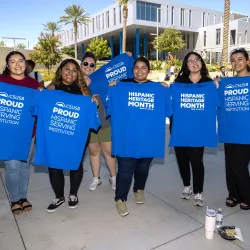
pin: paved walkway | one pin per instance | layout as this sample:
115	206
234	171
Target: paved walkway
164	222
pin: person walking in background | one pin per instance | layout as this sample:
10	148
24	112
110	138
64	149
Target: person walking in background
30	65
100	141
17	172
193	71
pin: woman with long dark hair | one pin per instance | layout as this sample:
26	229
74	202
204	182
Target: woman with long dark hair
237	156
17	172
193	71
68	78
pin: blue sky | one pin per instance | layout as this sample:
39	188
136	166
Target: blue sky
26	18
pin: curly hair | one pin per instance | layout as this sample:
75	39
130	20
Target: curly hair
79	81
184	72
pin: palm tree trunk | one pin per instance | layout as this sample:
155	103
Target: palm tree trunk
75	38
124	31
226	32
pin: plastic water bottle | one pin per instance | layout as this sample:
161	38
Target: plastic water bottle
219	218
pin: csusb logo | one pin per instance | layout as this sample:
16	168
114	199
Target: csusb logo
115	70
62	109
9	100
237	89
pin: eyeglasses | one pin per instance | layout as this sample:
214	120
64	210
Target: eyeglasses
91	65
194	61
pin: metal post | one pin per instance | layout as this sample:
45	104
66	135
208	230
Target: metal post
157	32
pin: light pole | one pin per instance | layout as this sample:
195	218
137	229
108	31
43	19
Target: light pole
14	40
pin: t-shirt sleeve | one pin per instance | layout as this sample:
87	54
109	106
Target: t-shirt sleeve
39	76
168	103
108	104
94	117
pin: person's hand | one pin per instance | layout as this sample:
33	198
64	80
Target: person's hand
87	80
112	84
128	53
164	84
94	99
216	81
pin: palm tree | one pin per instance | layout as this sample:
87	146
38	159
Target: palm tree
21	46
226	31
52	27
125	17
75	15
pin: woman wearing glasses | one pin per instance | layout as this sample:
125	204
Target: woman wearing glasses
237	156
100	141
193	71
17	172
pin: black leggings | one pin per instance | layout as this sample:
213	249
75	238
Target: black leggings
237	158
194	156
56	177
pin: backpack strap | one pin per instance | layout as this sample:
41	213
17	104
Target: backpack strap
36	75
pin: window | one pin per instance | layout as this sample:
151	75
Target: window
218	34
190	18
93	23
188	37
78	32
71	34
99	23
194	40
172	15
221	19
214	19
107	19
68	35
103	21
85	30
120	13
182	17
205	38
147	11
114	17
245	36
232	37
207	19
203	19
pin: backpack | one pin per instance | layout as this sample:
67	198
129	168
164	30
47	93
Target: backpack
36	75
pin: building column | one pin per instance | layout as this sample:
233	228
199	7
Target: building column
111	42
145	45
137	43
120	42
83	51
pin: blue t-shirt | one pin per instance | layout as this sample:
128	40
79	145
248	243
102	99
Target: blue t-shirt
194	114
234	114
16	122
138	118
63	127
117	69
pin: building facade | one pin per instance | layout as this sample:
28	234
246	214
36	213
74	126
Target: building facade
202	29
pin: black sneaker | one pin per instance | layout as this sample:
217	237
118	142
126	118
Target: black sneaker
73	201
56	203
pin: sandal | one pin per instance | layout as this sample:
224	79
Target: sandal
16	208
26	207
244	206
231	202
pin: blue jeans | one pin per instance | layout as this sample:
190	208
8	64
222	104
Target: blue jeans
17	176
127	167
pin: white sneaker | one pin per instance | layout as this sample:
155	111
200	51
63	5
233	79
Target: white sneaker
187	191
198	199
112	181
95	183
